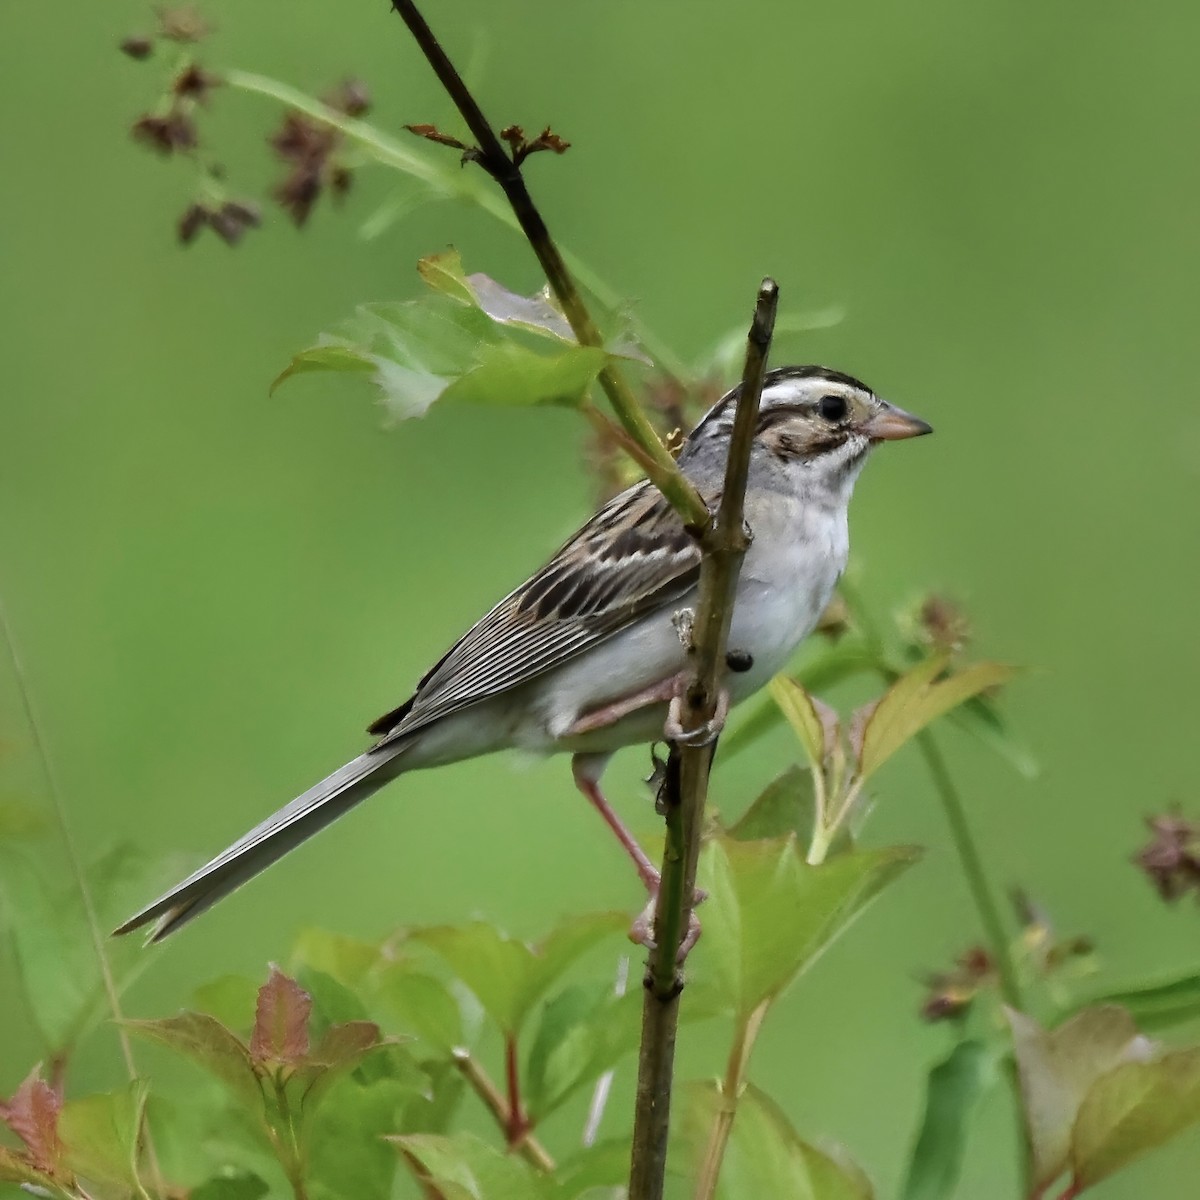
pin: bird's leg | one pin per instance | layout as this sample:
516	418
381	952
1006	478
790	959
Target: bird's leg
661	692
586	769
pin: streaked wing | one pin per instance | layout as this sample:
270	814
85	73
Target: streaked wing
631	557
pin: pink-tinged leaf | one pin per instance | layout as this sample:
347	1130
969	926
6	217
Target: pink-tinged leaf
32	1114
208	1043
280	1021
344	1045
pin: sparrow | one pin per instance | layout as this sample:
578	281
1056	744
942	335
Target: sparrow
585	657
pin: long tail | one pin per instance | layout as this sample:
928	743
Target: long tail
265	843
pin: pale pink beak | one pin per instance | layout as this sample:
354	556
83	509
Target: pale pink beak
891	424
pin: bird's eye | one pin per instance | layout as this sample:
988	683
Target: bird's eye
832	408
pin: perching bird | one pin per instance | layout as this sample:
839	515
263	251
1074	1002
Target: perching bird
585	656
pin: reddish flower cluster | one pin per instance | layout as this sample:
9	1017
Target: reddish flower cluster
1172	859
310	149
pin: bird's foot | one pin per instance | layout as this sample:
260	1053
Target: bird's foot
704	734
641	932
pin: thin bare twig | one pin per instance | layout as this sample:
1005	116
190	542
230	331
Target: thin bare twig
686	788
494	158
528	1147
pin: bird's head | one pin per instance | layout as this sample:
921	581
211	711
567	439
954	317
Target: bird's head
813	417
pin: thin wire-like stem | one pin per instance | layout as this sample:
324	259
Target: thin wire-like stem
58	806
494	158
685	790
965	847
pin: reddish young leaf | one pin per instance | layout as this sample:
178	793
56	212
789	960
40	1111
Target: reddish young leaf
32	1114
280	1020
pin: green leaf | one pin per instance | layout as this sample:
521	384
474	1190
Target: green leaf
765	1156
1131	1110
101	1135
954	1087
814	723
1058	1068
595	1168
231	1184
444	273
18	820
348	960
424	1006
784	807
52	945
347	1152
582	1032
981	718
462	1161
511	376
508	976
207	1042
914	701
770	914
434	1109
1159	1005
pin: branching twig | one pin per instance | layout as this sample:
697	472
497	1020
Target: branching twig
685	790
528	1147
494	158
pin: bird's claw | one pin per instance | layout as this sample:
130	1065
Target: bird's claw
704	734
641	932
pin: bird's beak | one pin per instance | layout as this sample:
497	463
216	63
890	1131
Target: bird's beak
890	424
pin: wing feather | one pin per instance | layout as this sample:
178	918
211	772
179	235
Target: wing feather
631	557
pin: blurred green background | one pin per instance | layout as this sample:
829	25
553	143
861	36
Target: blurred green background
215	590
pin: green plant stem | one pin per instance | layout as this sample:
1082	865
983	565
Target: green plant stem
972	866
969	858
731	1091
685	789
498	163
59	808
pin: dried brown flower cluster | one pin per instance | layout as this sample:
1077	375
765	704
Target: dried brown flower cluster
1171	861
311	151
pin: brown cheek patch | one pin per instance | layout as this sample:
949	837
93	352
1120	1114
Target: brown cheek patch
791	445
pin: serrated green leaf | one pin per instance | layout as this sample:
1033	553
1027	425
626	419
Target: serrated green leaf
954	1087
1133	1109
101	1135
207	1042
784	807
915	700
508	976
509	375
581	1033
52	945
770	914
1057	1068
347	1151
1159	1005
424	1006
765	1156
444	273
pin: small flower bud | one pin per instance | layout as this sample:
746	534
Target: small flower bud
137	46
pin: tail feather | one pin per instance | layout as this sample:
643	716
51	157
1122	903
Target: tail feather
267	842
